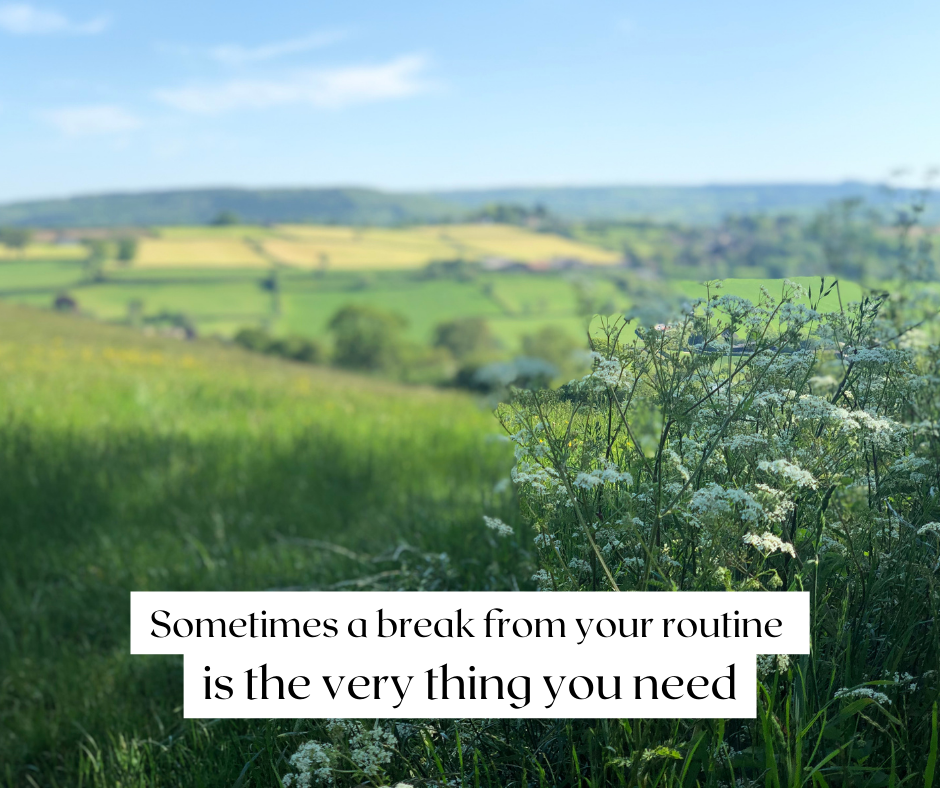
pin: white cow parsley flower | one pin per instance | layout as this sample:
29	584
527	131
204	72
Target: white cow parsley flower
768	543
609	473
862	692
789	471
498	525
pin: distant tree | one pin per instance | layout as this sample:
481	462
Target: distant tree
135	312
367	338
65	303
272	283
226	219
17	238
126	249
464	337
96	258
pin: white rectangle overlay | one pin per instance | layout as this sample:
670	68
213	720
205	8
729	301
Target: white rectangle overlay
322	654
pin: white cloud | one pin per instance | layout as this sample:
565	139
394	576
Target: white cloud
92	120
322	88
25	20
234	54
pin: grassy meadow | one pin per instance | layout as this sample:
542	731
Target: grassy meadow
144	463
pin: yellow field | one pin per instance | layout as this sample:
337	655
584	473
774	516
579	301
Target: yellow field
515	243
203	233
335	248
44	252
349	248
228	253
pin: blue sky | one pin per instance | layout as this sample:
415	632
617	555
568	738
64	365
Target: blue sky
105	95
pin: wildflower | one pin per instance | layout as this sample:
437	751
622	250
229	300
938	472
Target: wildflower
579	565
789	471
862	692
905	681
929	528
542	580
315	762
875	355
607	372
498	525
608	473
768	664
545	540
713	501
768	543
797	314
312	762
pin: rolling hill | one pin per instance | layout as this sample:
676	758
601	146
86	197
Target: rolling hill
201	206
684	204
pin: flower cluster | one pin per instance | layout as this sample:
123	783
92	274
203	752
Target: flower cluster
862	692
497	525
789	471
769	543
351	742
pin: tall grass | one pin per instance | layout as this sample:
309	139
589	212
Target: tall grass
128	463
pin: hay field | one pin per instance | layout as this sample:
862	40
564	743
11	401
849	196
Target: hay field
228	253
44	251
340	248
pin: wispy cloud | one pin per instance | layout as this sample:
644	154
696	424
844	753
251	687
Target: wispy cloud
94	119
323	88
235	54
23	19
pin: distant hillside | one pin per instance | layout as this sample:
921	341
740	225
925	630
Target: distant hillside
684	204
201	206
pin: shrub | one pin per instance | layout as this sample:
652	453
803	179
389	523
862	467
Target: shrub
292	347
225	219
256	339
15	237
554	345
126	249
367	338
464	336
65	303
298	349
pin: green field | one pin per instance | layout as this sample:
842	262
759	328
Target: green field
751	289
220	301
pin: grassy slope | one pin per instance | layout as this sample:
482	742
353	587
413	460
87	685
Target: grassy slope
132	463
